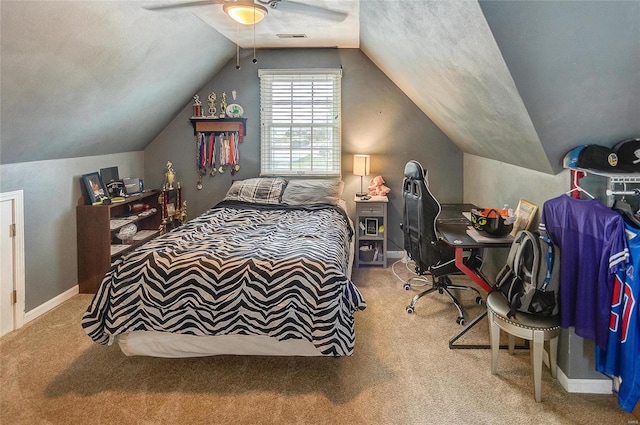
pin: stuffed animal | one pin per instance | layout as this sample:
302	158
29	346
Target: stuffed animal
377	187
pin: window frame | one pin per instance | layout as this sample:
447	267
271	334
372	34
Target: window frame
295	106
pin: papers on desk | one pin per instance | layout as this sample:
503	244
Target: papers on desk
467	215
484	238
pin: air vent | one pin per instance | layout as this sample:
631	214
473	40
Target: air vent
292	35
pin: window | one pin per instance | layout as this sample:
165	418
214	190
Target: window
300	121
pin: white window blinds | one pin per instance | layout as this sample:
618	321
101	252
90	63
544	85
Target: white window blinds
300	121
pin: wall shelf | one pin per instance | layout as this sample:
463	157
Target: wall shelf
210	125
614	179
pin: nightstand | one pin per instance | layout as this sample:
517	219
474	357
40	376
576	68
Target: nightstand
371	231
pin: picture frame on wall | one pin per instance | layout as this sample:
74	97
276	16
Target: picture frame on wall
525	214
94	190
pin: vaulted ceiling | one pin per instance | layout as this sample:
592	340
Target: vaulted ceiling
520	82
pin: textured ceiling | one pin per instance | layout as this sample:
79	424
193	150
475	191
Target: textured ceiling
453	70
520	82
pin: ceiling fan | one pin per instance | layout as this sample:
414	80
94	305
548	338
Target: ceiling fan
249	12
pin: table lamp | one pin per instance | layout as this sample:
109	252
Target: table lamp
361	167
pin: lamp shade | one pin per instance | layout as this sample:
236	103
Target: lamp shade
245	12
361	165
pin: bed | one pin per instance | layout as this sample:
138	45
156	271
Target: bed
264	272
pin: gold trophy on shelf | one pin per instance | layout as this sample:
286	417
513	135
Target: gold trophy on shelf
212	105
172	207
169	176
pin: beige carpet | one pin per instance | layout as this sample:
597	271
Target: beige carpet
402	372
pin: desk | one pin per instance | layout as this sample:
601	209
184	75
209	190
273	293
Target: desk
451	226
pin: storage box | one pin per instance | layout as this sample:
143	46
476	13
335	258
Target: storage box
366	254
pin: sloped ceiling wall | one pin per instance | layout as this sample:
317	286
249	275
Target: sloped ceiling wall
576	65
520	82
90	78
444	57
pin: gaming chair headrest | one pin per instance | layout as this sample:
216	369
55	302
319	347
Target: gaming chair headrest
413	170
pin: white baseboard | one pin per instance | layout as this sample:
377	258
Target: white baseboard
585	386
395	254
51	304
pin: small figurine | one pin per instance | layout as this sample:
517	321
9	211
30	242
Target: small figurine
212	104
377	187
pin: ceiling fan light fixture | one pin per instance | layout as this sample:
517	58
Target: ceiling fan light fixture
245	13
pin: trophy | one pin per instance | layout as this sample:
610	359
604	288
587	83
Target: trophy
169	176
212	104
223	105
197	107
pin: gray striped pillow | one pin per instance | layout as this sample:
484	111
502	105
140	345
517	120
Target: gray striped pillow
260	190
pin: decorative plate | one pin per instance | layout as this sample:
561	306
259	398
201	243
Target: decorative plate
126	232
234	110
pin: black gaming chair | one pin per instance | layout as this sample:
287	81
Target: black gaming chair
422	244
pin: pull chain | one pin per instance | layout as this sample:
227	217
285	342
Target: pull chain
237	46
254	36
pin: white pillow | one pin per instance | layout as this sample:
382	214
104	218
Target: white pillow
312	191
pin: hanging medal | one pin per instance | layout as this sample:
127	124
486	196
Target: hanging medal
224	152
212	154
201	159
236	153
232	153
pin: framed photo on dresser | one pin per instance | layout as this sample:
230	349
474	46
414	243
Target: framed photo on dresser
94	190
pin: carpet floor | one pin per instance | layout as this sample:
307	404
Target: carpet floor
402	372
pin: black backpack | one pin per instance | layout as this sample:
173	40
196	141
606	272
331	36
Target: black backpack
531	277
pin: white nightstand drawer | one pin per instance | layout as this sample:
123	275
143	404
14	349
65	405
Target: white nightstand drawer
370	209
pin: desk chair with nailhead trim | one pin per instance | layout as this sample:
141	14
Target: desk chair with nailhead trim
537	329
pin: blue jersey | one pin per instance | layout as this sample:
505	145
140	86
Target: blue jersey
622	354
593	247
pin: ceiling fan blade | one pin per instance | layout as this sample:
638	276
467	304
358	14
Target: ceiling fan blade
183	4
306	9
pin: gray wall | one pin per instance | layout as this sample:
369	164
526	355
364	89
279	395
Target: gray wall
51	193
378	119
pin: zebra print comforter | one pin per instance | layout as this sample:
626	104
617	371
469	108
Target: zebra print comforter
238	269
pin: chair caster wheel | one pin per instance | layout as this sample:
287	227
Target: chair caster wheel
407	286
479	300
460	321
409	309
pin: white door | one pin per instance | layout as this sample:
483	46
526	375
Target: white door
7	267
